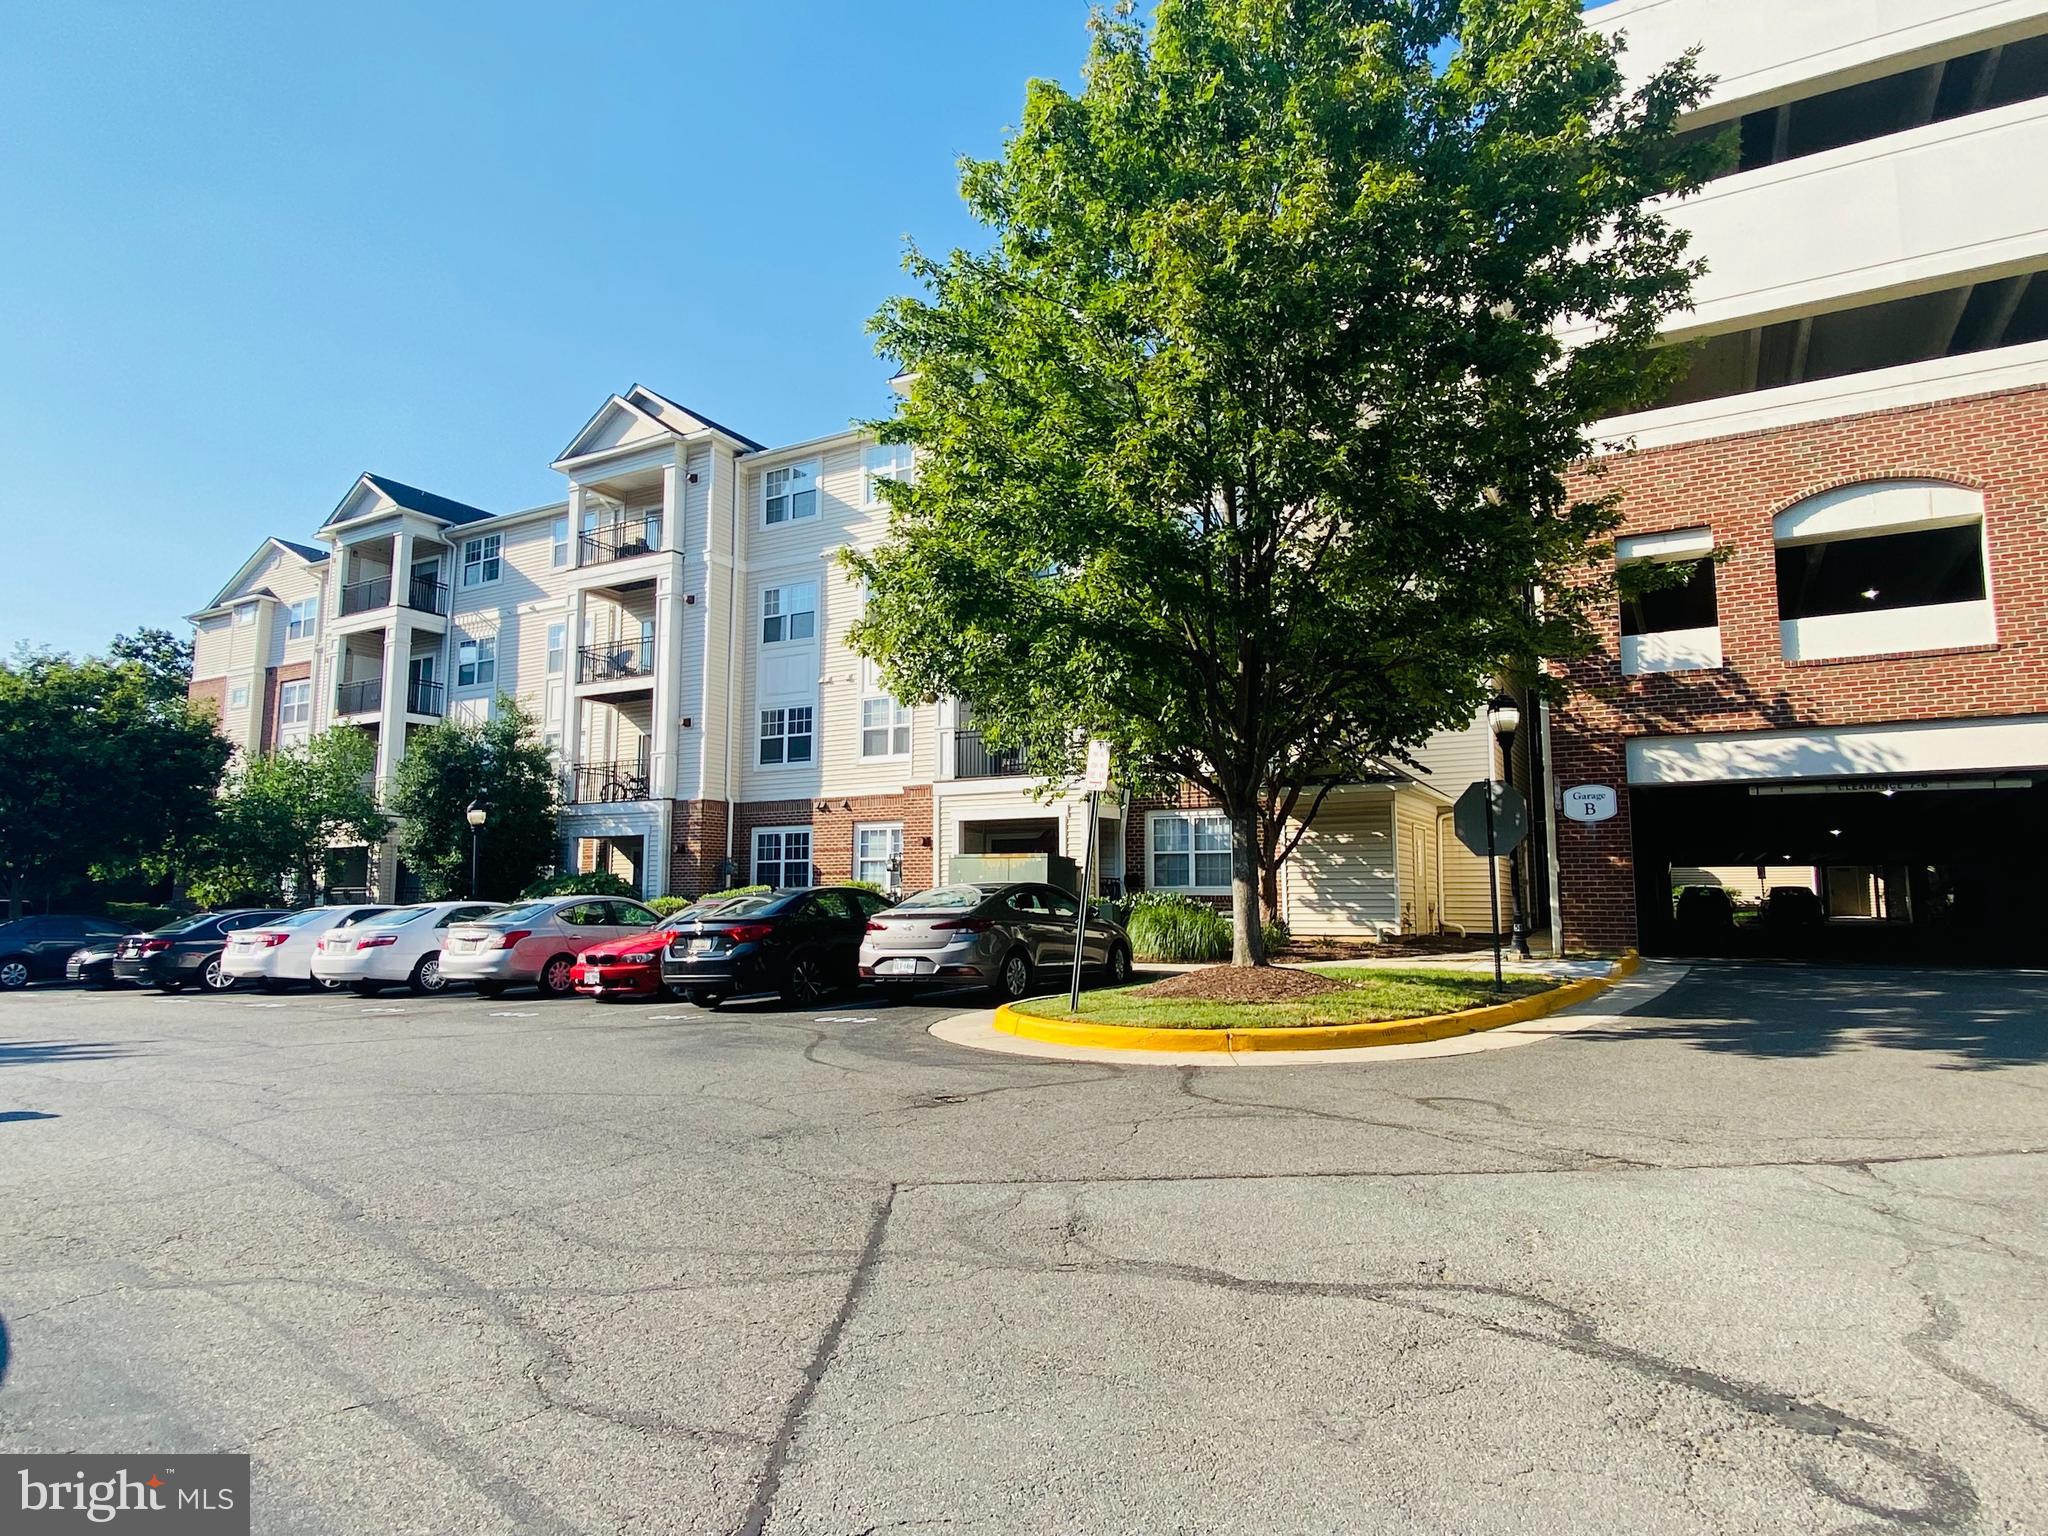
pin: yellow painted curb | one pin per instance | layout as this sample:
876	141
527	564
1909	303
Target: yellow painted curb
1317	1037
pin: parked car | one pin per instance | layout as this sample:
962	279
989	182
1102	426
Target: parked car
1006	936
536	943
94	964
398	948
804	945
40	948
280	953
1705	915
187	951
631	966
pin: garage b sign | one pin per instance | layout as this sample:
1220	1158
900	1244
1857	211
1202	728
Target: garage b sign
1590	802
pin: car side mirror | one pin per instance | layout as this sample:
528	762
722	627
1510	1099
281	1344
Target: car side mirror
1101	912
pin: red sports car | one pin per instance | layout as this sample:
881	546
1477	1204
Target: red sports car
630	965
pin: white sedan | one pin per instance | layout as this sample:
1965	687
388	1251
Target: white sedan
281	951
401	947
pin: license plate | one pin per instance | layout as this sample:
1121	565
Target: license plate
702	946
896	968
590	975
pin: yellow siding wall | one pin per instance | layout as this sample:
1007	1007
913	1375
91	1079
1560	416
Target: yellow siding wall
1343	880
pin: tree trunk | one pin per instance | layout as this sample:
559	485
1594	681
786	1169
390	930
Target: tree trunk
1248	944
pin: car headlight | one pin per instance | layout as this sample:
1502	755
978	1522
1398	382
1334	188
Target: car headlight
637	959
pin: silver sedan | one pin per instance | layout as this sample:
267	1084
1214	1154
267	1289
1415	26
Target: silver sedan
1009	937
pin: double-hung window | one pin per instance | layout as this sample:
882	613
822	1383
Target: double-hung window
238	696
878	854
883	461
246	614
558	541
884	728
477	662
790	493
301	617
1190	851
789	612
782	857
480	560
295	704
558	645
786	735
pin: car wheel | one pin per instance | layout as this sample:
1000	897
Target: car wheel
1013	981
328	983
806	983
213	978
704	997
366	988
170	987
1119	965
426	976
490	989
558	977
13	974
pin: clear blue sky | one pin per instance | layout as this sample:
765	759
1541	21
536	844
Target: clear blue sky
249	250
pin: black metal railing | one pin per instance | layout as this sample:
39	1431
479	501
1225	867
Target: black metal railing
618	541
622	662
973	759
423	697
427	594
362	596
607	783
359	698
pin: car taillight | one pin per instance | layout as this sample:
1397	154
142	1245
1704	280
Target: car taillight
270	940
510	937
747	933
377	941
964	925
878	927
155	946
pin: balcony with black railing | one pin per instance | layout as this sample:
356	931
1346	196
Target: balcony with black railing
975	759
366	596
624	661
425	697
427	594
608	783
363	697
619	541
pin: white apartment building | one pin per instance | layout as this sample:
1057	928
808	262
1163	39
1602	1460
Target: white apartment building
678	623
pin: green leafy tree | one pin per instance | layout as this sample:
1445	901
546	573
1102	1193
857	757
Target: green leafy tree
165	660
451	764
1244	444
103	766
282	812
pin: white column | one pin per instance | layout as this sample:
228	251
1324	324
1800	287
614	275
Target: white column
391	723
672	505
401	565
572	706
668	683
575	525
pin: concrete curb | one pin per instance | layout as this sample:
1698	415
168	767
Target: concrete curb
1322	1037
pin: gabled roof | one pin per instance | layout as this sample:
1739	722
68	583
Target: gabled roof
408	498
233	588
638	414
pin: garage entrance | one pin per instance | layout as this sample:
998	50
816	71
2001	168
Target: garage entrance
1934	867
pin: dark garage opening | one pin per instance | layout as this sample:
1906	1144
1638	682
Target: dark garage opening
1926	869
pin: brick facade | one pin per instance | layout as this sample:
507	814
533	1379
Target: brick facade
696	846
1997	445
1137	868
275	678
210	691
832	832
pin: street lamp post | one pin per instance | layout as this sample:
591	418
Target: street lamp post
478	813
1504	715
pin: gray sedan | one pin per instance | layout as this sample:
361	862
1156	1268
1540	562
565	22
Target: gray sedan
1009	937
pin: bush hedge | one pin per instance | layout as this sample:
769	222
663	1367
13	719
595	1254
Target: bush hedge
1277	934
738	890
595	882
1165	925
140	915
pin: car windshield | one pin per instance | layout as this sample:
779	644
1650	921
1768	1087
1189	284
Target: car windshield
943	898
397	918
532	912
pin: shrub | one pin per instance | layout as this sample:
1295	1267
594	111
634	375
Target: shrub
596	882
868	885
668	906
1277	934
738	890
140	915
1165	925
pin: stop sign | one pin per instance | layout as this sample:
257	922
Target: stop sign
1510	817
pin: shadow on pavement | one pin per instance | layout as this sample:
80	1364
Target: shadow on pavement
1988	1019
33	1053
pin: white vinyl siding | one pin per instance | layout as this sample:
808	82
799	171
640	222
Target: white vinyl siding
1343	880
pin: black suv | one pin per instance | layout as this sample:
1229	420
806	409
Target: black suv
187	951
37	948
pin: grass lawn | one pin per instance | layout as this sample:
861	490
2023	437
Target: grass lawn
1369	994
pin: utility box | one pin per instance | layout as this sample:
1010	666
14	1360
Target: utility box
1005	868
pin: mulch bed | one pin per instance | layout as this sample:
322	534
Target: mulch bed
1243	984
1423	944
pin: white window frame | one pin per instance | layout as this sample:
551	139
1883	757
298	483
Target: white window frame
302	618
560	545
294	703
489	562
894	729
884	461
779	613
245	614
558	649
481	669
782	858
1190	852
892	851
782	718
789	493
238	696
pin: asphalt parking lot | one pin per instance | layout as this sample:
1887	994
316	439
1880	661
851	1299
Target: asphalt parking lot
1765	1254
